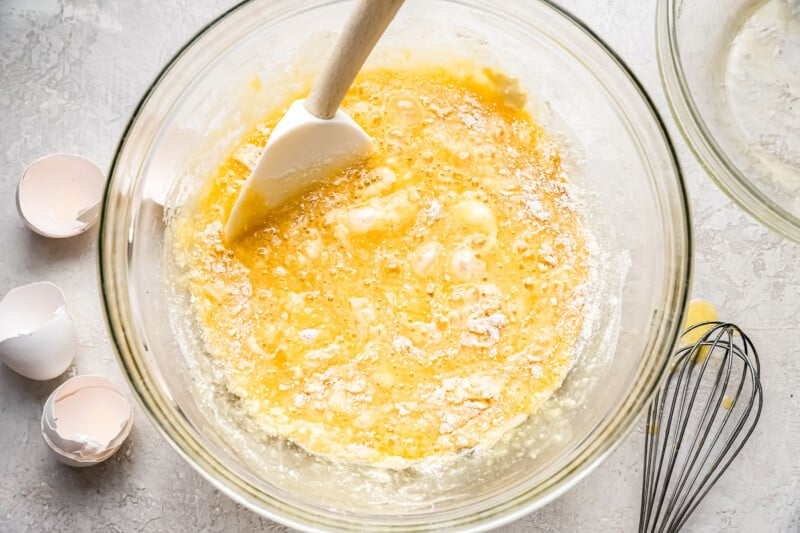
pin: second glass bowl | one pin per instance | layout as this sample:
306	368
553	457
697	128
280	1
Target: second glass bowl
731	73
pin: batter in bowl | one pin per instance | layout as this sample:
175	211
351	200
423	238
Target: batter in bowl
414	306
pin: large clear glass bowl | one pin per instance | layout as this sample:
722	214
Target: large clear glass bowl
731	73
617	150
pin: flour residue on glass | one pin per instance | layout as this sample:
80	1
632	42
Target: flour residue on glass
762	84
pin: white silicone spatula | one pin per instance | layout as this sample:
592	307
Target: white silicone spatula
315	138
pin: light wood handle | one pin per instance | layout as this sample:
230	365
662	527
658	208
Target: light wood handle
365	26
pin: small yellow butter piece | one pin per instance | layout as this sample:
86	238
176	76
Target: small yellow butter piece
727	402
699	311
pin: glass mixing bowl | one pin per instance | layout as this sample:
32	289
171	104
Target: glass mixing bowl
616	149
731	73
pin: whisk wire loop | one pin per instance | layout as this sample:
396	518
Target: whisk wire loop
715	397
698	423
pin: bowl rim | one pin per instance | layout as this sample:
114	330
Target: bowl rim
695	131
516	507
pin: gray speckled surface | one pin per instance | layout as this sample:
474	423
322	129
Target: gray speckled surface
70	74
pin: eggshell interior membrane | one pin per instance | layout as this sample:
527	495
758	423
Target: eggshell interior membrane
90	409
26	309
58	195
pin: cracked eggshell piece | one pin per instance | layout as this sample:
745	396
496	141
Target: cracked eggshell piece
37	335
86	420
59	195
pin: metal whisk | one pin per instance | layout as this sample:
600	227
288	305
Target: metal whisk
698	423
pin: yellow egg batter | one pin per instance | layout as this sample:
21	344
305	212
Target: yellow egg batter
418	304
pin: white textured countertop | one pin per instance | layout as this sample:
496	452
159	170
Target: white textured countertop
71	72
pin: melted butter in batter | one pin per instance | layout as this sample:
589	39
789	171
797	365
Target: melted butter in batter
413	306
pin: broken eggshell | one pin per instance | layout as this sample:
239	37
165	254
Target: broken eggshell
86	420
59	195
37	335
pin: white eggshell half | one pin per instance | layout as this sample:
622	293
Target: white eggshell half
59	195
86	420
37	335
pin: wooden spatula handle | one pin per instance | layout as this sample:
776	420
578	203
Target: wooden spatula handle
366	24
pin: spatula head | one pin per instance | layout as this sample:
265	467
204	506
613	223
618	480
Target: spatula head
302	150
